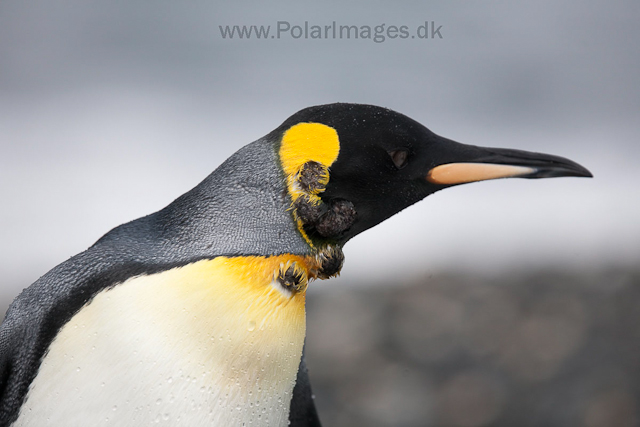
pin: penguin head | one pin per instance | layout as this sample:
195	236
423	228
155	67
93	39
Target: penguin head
356	165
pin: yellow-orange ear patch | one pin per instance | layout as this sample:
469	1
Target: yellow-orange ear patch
306	142
308	150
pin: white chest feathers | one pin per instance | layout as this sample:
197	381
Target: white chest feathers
215	343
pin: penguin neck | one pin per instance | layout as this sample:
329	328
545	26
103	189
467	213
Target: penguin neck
216	342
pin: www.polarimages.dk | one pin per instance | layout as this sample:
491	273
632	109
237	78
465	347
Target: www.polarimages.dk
378	33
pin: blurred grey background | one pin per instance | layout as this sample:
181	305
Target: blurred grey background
110	110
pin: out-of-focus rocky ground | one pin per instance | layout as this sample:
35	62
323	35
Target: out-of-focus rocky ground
544	349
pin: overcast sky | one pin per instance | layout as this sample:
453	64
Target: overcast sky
109	110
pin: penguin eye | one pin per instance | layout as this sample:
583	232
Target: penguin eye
399	157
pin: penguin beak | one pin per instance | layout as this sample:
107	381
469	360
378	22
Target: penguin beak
467	163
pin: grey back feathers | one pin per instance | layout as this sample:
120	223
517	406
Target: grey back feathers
240	209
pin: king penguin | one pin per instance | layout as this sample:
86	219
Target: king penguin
195	315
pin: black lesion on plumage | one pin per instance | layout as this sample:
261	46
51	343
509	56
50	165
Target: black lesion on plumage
293	278
309	212
326	220
331	260
337	219
312	177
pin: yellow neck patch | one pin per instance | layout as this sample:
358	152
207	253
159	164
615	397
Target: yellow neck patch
303	143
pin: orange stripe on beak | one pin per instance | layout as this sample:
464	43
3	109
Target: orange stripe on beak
460	173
